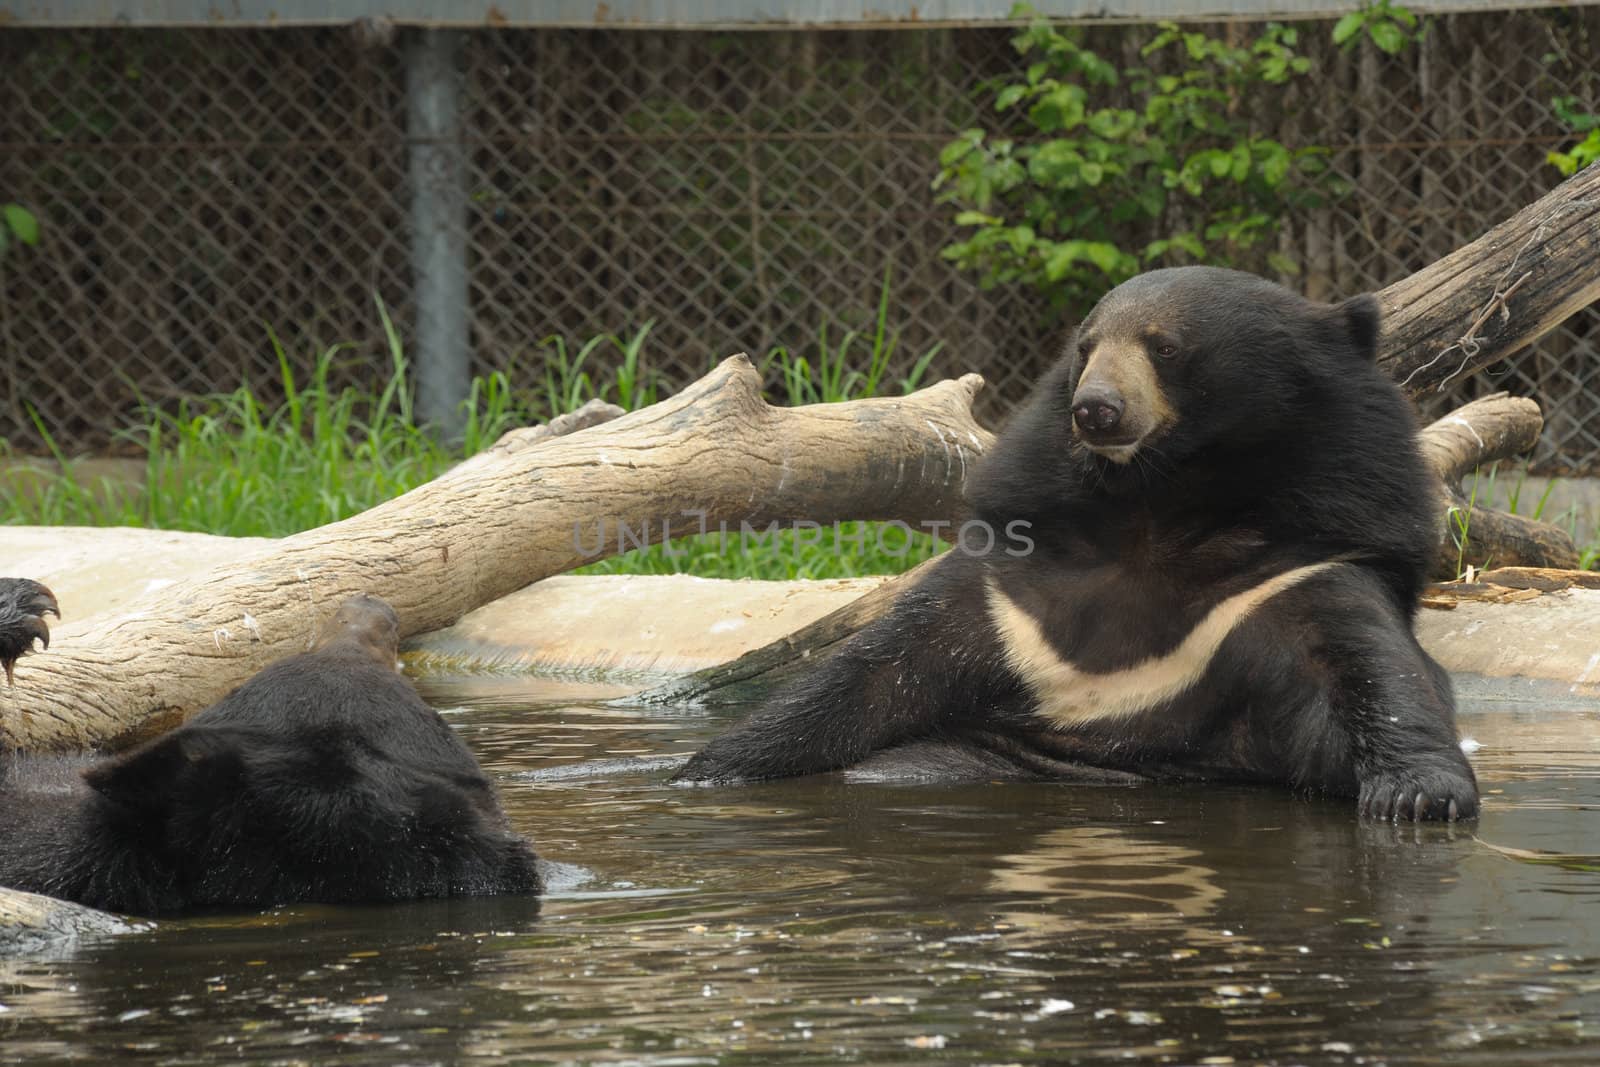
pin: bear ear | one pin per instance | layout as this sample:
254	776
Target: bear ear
147	777
1361	317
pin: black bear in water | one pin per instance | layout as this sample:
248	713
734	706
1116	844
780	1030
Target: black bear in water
323	778
1228	526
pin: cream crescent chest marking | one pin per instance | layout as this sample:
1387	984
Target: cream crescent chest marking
1070	697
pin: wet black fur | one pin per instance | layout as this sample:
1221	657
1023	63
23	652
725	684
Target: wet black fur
323	778
1290	448
23	605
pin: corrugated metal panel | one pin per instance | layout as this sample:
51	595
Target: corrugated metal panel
696	14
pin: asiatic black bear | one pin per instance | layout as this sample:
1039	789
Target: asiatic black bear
323	778
1230	523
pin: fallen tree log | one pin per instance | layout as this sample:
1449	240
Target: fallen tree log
521	511
1486	300
35	926
1492	428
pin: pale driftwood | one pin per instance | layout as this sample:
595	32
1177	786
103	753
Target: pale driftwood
1505	290
1483	431
518	512
1488	429
32	925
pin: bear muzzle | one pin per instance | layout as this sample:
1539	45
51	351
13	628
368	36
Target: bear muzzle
1097	411
1119	401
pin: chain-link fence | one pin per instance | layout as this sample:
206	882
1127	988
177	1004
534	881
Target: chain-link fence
197	188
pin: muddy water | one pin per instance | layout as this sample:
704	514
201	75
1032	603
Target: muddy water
817	922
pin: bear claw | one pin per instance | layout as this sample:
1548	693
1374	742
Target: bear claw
1445	797
23	605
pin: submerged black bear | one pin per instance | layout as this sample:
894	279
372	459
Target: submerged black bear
323	778
1230	525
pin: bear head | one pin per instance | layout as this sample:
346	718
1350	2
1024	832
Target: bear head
1175	361
1199	380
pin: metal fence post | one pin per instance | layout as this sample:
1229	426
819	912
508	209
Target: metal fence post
442	349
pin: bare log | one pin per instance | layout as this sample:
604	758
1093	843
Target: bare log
521	511
1489	429
1505	290
1497	539
31	925
1493	428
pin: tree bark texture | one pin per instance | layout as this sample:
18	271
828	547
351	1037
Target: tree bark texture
1503	291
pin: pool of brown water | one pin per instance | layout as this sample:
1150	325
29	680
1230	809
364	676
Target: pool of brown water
816	921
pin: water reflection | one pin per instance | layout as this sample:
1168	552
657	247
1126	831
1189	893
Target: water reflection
819	921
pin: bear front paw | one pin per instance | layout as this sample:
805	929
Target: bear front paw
23	605
1418	794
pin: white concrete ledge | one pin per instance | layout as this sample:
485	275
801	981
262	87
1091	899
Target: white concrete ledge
632	629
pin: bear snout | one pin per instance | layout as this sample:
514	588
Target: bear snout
1097	410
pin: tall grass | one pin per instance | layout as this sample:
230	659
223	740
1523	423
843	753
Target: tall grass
232	464
1587	538
229	464
839	374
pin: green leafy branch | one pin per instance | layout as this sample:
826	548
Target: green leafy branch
1585	151
1389	26
1103	172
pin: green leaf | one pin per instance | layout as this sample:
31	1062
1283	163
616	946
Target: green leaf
1387	36
1061	258
1346	28
976	218
1060	108
1056	163
1009	96
1108	257
1092	173
1274	162
1190	244
1112	123
1241	162
20	221
959	149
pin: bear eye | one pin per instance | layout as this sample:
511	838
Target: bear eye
1166	351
